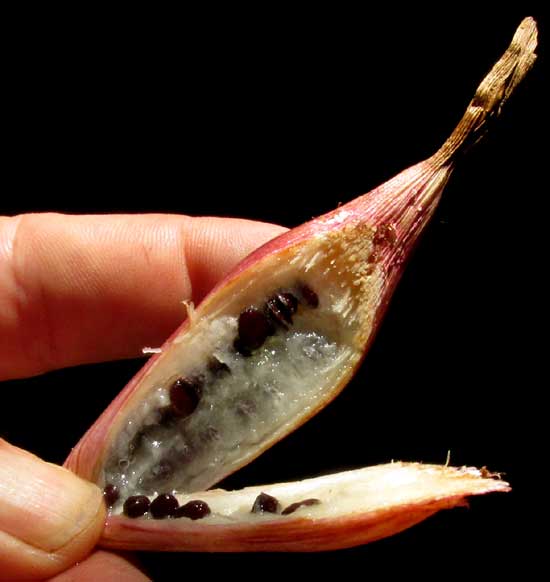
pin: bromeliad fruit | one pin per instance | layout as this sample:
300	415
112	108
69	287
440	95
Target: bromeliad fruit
269	347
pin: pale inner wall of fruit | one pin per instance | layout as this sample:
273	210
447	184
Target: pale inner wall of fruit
246	388
361	493
349	492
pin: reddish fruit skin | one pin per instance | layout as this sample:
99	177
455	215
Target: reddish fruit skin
123	533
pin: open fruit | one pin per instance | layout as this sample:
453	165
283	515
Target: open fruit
269	347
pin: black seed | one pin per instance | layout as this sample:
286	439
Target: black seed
275	314
185	394
281	307
196	509
216	367
164	505
241	348
294	506
162	470
289	301
136	506
254	327
111	494
309	295
265	503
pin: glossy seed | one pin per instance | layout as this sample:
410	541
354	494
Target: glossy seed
290	302
136	506
281	307
275	314
254	328
185	394
111	494
196	509
265	503
309	296
294	506
163	506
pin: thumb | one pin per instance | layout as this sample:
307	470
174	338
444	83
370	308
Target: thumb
49	517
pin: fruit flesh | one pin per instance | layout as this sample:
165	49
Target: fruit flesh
256	398
338	256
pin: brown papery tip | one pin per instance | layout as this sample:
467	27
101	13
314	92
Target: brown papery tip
493	92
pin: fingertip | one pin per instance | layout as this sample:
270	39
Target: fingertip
213	246
50	518
78	289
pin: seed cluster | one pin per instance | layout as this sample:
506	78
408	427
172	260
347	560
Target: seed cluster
255	325
164	506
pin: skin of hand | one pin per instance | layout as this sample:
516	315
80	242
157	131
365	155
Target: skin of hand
66	284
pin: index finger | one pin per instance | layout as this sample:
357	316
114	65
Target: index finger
76	289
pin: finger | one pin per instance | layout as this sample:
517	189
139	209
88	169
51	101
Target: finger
77	289
103	565
49	518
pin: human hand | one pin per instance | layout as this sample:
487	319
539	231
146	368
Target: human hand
76	289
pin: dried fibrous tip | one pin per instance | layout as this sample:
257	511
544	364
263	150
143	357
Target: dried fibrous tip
493	91
269	347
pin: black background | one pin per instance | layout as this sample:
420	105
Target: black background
279	117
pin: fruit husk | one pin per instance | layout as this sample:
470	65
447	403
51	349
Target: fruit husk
404	204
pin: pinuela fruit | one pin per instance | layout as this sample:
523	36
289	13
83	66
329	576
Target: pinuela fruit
269	347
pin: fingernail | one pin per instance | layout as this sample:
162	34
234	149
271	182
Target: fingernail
45	505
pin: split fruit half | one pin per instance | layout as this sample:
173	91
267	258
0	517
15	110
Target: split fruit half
269	347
